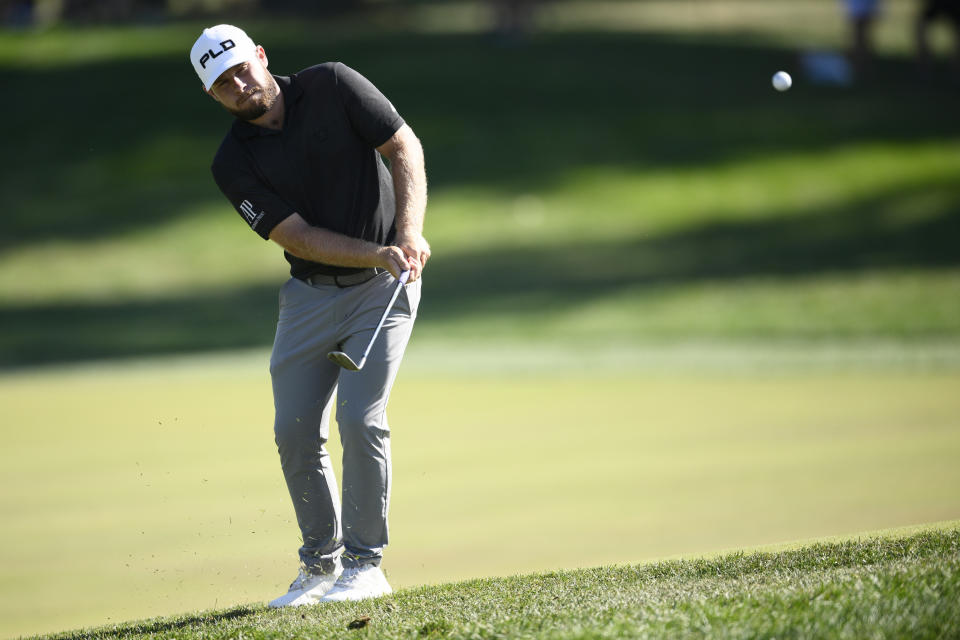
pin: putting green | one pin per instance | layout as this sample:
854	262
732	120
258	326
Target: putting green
153	488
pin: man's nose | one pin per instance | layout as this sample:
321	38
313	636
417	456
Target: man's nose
239	84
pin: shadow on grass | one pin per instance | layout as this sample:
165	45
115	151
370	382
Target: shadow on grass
148	628
514	118
510	118
870	234
206	321
873	233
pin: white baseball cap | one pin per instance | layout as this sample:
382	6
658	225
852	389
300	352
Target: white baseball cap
219	48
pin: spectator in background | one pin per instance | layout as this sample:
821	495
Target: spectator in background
861	14
930	11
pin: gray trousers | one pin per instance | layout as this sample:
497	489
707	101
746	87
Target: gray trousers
314	320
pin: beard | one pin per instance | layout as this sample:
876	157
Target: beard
258	102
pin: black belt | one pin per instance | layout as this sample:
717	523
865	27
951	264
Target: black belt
348	280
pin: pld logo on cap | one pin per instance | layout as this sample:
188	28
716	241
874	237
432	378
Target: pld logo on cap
225	45
219	48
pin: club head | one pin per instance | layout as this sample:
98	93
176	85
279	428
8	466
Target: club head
342	359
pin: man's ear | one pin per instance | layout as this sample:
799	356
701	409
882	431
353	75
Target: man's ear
262	56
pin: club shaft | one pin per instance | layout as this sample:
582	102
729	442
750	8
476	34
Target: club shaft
386	312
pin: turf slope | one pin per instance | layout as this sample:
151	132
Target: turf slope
875	586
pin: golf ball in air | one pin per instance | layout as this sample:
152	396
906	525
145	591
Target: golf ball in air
782	81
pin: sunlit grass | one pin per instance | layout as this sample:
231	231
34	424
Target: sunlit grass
878	584
207	246
618	201
911	306
154	488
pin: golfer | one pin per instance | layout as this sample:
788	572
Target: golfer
303	165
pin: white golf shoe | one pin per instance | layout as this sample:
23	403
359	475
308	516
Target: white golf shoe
359	583
308	588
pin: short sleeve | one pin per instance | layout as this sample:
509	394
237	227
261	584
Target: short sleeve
259	206
371	115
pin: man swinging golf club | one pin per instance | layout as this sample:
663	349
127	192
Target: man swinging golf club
303	166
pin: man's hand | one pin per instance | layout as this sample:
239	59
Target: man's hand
417	250
394	260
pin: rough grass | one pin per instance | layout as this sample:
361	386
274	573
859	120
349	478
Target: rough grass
864	588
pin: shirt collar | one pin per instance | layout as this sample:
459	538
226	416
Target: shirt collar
291	93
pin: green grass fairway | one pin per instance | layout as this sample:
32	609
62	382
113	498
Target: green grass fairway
888	586
154	488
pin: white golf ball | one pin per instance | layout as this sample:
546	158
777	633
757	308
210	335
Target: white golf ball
782	81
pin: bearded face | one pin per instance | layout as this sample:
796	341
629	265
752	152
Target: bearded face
246	90
254	103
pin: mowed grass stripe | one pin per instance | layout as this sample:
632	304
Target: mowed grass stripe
894	186
875	587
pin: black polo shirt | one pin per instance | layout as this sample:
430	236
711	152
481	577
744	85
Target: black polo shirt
323	164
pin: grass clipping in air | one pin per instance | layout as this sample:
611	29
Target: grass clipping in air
880	587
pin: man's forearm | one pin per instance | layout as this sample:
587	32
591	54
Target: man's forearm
329	247
317	244
410	185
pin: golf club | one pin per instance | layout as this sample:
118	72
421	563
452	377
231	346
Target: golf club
346	361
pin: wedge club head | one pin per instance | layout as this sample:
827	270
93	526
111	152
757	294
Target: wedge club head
342	359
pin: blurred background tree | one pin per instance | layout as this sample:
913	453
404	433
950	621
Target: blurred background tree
49	12
513	18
